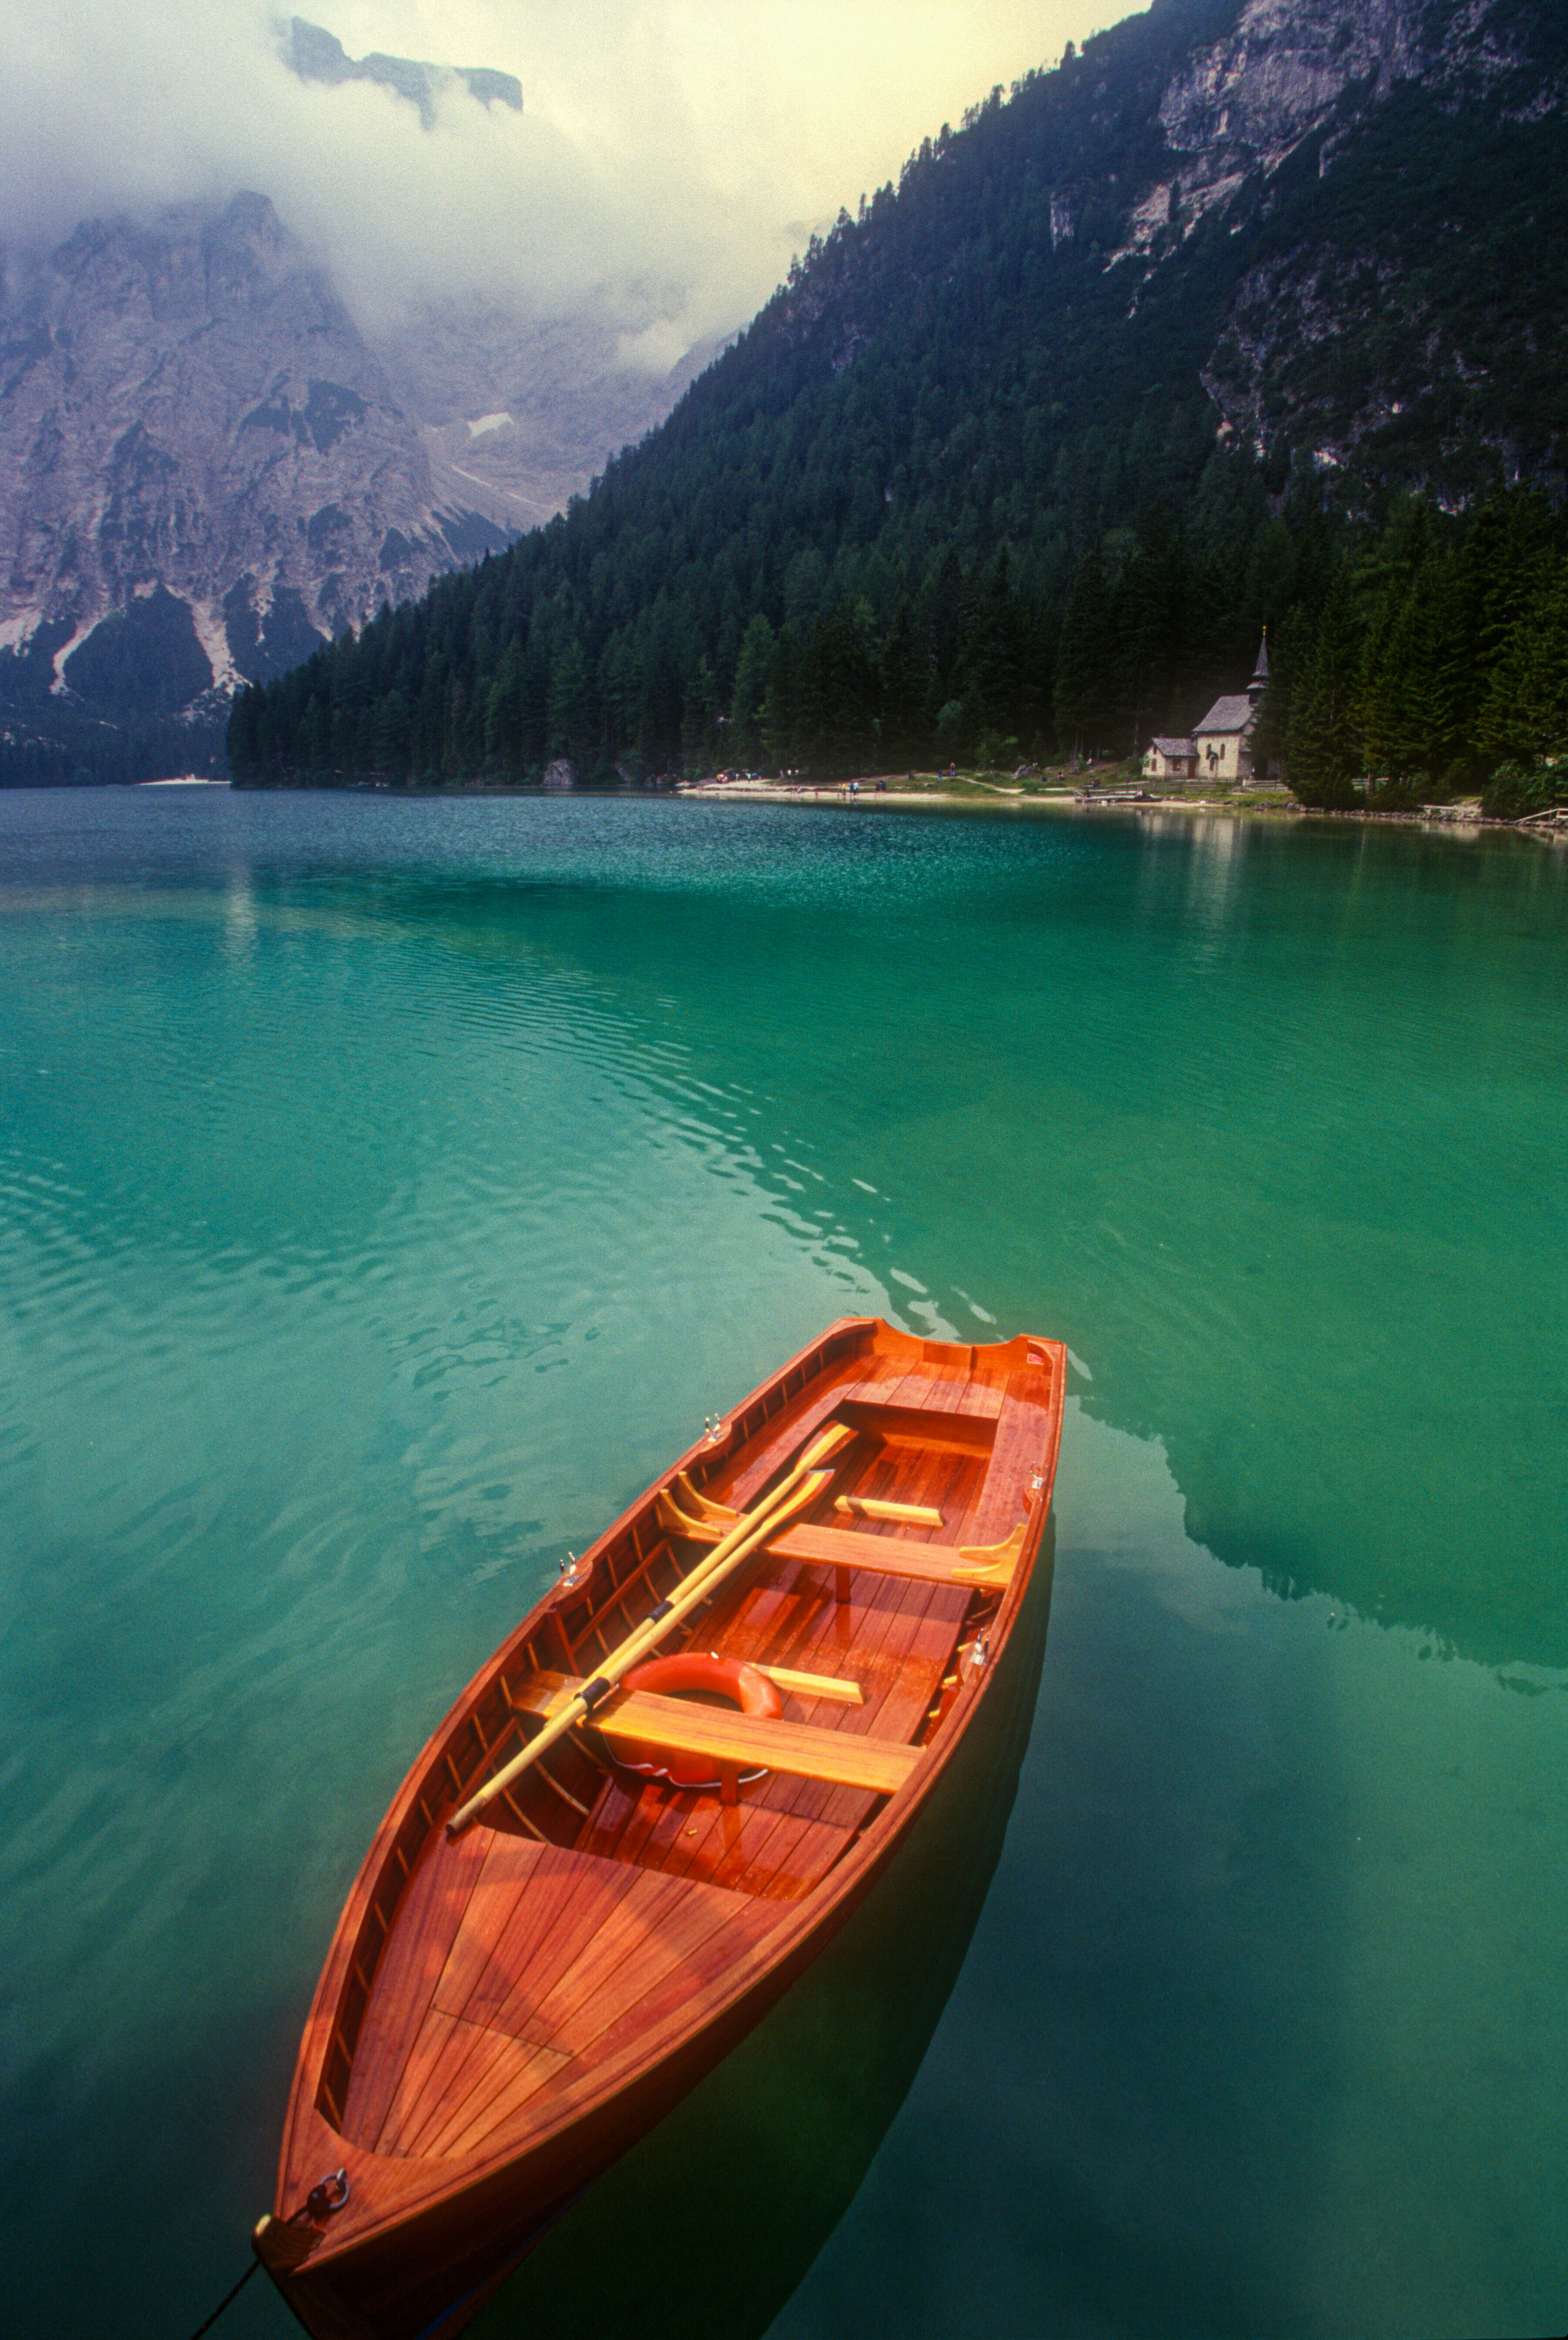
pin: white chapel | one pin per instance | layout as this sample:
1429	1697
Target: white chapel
1220	749
1223	740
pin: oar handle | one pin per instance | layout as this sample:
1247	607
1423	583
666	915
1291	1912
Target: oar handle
758	1527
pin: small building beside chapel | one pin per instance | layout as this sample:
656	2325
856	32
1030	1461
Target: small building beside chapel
1223	739
1170	760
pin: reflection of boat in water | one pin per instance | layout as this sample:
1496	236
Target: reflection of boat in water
731	2198
541	1959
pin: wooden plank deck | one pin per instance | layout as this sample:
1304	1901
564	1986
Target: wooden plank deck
537	1950
428	1917
918	1385
1009	1491
896	1638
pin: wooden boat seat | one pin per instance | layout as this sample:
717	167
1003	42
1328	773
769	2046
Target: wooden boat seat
842	1759
987	1569
926	1563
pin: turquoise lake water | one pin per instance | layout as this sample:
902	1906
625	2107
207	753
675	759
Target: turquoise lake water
388	1189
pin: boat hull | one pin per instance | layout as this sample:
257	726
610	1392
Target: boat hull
438	2218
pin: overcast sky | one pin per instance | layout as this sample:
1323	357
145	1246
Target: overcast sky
670	157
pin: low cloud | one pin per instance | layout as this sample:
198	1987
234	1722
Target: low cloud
668	156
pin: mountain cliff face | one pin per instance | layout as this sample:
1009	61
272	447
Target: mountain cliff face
1444	92
316	55
1339	224
1239	265
204	469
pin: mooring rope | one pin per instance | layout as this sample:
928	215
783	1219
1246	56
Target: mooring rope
227	2301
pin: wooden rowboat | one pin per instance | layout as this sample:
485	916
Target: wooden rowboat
549	1941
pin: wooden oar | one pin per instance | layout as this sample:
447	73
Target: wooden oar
752	1529
738	1524
636	1647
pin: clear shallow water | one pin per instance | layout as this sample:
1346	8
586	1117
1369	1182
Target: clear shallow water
387	1189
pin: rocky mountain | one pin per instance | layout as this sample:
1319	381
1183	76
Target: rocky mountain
517	412
205	472
1308	82
1247	297
206	467
519	415
1334	221
316	55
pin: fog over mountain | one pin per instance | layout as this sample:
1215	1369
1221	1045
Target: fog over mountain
296	315
660	163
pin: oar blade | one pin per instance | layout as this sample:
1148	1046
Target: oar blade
830	1442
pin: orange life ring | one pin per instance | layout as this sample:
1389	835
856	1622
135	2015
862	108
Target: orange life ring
751	1691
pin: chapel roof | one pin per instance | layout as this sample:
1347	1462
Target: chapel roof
1232	714
1173	747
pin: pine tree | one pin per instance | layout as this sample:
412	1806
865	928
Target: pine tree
1323	747
1289	648
837	702
909	668
1411	712
752	670
699	718
780	718
993	662
504	712
661	695
1151	624
1525	714
1085	692
241	732
570	695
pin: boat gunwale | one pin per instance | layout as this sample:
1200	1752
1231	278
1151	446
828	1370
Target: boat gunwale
419	2185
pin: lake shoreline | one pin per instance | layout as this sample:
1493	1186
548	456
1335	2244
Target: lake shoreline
1553	828
1204	807
1550	828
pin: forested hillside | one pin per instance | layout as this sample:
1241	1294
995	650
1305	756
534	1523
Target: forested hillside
1190	334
